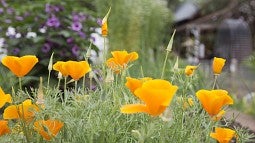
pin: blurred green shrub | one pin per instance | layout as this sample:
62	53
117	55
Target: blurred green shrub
136	25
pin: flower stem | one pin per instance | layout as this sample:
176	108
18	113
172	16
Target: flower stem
20	85
48	82
65	94
83	84
164	66
75	87
215	79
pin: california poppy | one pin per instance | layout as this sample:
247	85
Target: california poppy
25	111
4	98
120	60
104	28
157	94
218	64
48	128
189	70
59	66
133	83
20	66
213	100
77	69
4	129
223	135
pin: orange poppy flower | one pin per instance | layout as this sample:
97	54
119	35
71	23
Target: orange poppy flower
77	69
20	66
25	111
59	66
104	28
73	68
218	64
4	129
157	94
223	135
4	98
213	100
133	83
189	70
120	60
48	128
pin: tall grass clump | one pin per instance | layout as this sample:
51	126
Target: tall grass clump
168	107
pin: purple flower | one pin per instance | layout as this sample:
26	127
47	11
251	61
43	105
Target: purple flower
1	10
92	38
53	21
76	26
63	53
7	21
79	17
46	48
19	18
48	8
82	34
75	50
15	51
4	4
70	40
10	11
99	21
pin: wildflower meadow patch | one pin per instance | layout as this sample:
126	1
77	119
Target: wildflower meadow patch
121	108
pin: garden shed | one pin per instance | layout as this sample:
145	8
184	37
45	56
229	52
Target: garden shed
233	40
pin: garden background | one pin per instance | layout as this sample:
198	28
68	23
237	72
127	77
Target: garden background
57	30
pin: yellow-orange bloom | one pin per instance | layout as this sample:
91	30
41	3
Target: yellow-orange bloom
4	129
59	66
223	135
20	66
25	111
49	128
104	28
133	83
213	100
218	64
120	60
157	94
189	70
76	69
4	98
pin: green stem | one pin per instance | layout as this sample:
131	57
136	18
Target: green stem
83	84
215	79
90	83
65	94
48	82
20	85
58	83
164	66
75	87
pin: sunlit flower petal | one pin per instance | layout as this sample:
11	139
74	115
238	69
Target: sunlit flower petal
223	135
77	69
218	64
104	27
25	111
120	60
48	128
134	108
59	66
4	98
4	129
189	70
213	100
20	66
157	94
133	83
